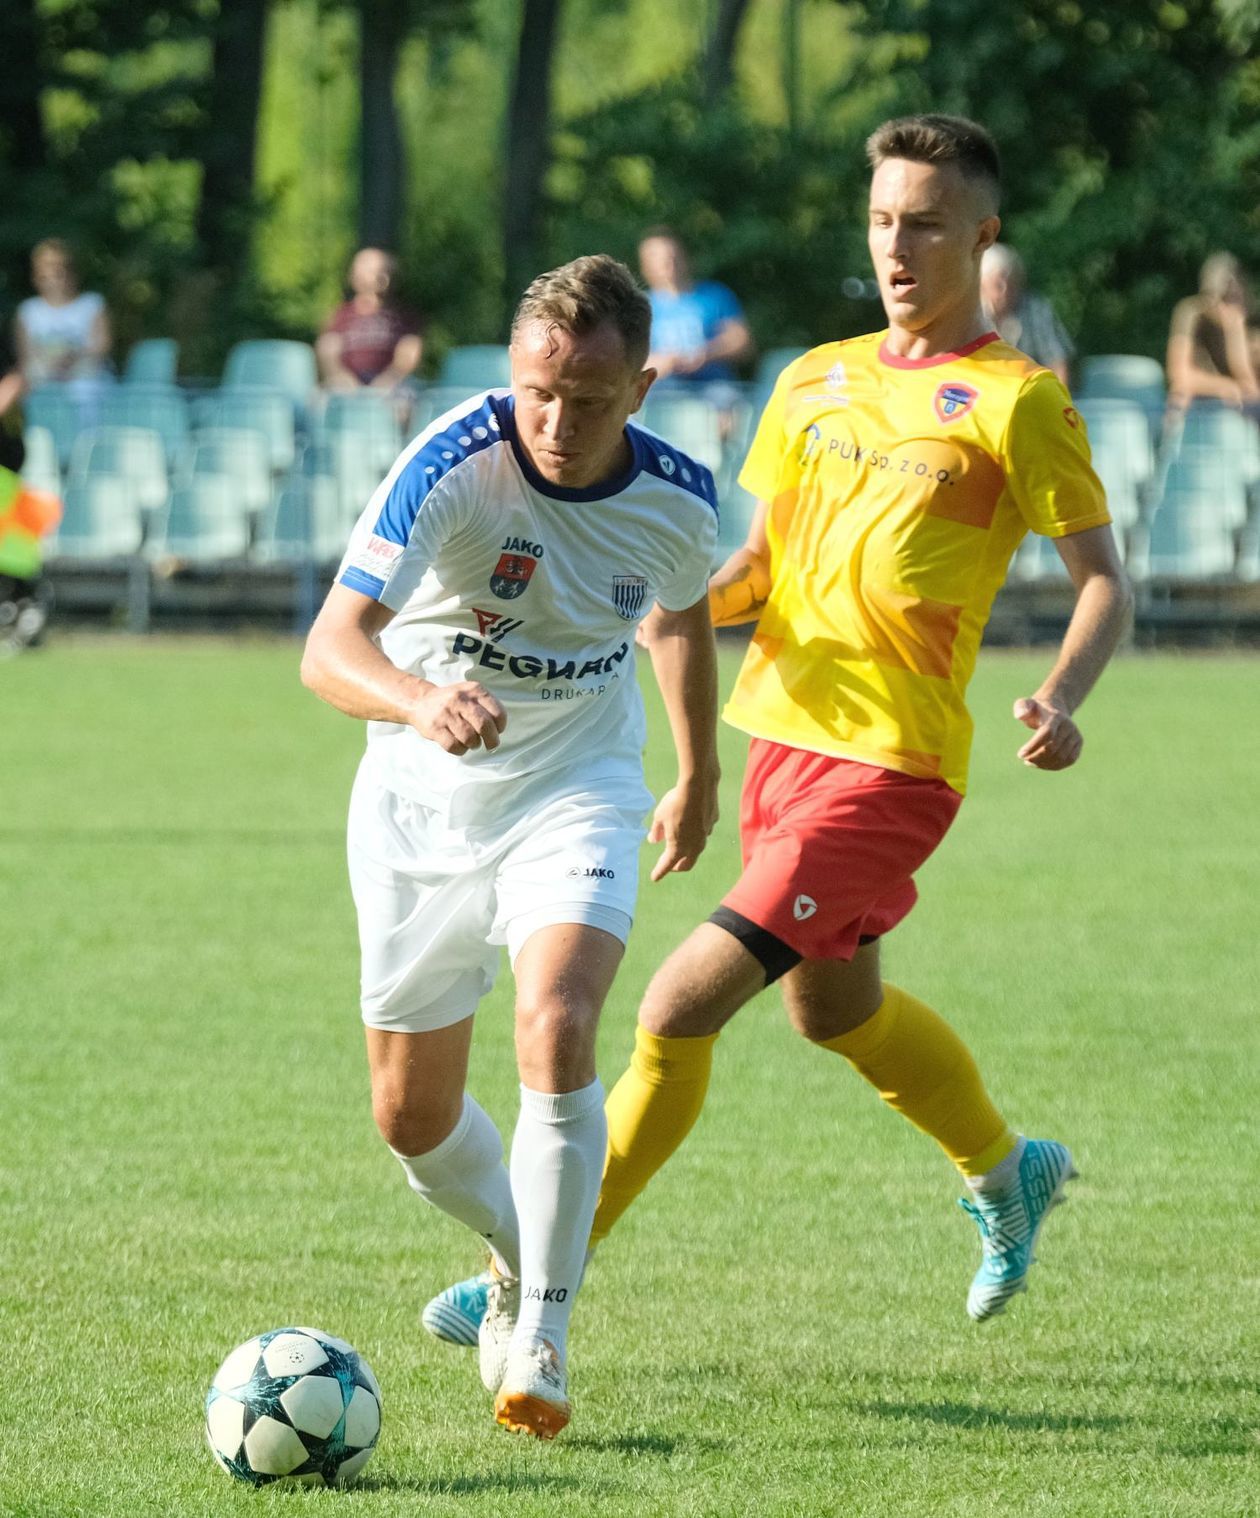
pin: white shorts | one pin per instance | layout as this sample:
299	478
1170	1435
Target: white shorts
435	903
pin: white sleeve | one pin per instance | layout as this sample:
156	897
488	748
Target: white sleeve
402	530
690	580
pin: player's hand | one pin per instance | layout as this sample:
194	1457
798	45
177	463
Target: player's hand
1056	742
683	820
459	717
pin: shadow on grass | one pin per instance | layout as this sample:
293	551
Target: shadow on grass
663	1446
968	1415
464	1486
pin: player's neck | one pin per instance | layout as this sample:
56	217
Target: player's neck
949	334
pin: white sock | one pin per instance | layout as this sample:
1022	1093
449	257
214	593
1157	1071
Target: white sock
557	1164
1003	1175
466	1178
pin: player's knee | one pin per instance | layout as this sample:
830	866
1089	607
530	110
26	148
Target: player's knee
412	1125
819	1022
554	1031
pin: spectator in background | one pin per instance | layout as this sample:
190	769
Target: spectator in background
62	333
699	332
370	339
1211	351
1019	317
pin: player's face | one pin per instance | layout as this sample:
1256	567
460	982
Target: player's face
574	395
928	228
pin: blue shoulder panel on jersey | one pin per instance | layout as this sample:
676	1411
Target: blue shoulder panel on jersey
443	446
669	463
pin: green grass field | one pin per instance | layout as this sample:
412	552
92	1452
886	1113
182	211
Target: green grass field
187	1155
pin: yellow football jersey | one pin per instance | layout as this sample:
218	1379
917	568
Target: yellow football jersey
898	491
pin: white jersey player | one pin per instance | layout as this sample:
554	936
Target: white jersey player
484	622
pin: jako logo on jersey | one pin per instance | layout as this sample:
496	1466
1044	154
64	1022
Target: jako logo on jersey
518	559
803	907
954	401
628	592
531	666
495	624
591	872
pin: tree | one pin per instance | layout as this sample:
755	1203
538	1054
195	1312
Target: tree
528	145
719	53
228	145
1129	135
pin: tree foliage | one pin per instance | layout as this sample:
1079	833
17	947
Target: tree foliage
1129	133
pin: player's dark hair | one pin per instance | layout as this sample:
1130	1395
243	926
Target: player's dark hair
939	139
580	296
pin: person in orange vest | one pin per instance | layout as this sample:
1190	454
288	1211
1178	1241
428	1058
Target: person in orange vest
26	516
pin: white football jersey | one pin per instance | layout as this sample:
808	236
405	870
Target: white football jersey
496	575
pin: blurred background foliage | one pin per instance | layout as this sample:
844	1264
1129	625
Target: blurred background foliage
216	162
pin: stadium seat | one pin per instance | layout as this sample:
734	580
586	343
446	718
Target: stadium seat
132	454
204	521
229	453
153	361
101	520
273	364
1124	458
479	366
689	422
266	413
435	401
772	363
1208	491
365	420
55	409
1126	377
305	523
162	408
40	470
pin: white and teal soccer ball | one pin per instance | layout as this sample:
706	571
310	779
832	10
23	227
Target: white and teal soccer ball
293	1405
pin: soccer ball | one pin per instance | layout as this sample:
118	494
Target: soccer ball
293	1405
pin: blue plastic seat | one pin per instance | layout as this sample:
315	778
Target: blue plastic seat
365	420
478	366
204	522
1126	377
161	408
153	361
266	412
273	364
236	454
101	520
305	523
41	469
132	454
1124	458
55	409
1207	497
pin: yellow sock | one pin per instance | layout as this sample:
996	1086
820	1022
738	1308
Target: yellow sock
923	1070
650	1111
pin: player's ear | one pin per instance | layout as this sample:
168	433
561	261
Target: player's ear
987	233
642	384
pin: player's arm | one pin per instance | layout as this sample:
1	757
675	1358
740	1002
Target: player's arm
1099	620
741	588
344	665
684	661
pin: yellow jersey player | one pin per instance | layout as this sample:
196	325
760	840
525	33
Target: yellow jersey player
895	474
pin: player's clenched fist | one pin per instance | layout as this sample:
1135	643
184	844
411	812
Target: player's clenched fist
459	717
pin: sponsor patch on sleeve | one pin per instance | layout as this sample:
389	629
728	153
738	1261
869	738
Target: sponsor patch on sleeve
377	557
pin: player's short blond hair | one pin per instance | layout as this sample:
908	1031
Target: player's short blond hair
939	139
580	296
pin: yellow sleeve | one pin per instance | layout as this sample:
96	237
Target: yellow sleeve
1045	455
762	474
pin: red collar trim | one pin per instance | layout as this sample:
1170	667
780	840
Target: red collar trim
895	361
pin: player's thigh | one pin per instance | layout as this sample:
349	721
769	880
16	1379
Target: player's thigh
825	998
701	986
418	1082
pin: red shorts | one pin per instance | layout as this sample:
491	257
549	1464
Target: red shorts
830	846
